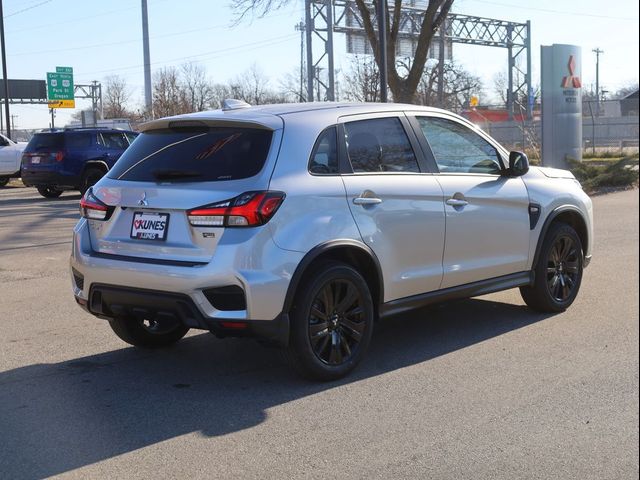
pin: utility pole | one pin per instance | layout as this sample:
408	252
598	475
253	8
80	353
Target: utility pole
4	73
597	51
382	41
13	122
301	28
148	101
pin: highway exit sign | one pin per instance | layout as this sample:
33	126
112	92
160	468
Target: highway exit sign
60	92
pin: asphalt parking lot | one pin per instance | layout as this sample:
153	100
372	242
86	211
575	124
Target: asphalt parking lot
482	388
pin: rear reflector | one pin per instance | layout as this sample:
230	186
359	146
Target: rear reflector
250	209
234	325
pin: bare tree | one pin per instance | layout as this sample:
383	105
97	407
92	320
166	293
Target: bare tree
403	85
198	90
362	82
459	86
252	86
116	95
168	95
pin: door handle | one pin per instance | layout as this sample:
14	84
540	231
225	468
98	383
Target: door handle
456	202
367	201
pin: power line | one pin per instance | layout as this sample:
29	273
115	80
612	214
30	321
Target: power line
561	12
27	8
212	54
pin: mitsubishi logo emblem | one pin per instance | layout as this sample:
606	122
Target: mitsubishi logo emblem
571	80
143	201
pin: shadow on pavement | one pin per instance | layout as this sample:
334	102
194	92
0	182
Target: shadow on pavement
59	417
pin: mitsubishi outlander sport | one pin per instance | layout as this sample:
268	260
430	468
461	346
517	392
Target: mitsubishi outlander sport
303	224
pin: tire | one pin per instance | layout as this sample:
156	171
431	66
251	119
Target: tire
90	177
147	334
558	272
49	192
4	181
331	323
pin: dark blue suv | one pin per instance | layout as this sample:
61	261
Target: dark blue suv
71	158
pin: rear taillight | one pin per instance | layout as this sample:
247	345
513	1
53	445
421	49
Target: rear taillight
94	209
59	156
250	209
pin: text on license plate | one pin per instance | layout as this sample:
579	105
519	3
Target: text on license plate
149	226
35	159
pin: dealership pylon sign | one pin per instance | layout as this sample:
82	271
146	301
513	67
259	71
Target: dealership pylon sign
60	91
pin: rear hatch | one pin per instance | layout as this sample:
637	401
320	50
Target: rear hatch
44	152
166	174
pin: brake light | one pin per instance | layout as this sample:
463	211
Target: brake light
59	156
94	209
250	209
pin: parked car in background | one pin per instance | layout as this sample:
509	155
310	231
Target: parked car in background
71	158
303	224
10	157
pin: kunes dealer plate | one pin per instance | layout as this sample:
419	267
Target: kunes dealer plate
149	226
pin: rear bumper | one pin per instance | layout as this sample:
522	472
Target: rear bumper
110	301
36	178
182	288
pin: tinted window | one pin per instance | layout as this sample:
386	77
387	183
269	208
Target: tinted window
457	148
194	155
115	140
131	136
379	145
79	140
45	142
324	158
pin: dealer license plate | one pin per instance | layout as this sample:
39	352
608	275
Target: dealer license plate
149	226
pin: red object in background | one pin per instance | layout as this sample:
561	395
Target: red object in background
499	115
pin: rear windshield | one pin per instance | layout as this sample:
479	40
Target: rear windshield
194	155
45	142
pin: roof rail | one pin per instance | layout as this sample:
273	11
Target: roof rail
234	104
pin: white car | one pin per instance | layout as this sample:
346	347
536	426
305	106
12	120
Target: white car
10	157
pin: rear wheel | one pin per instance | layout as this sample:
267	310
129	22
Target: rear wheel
49	192
4	181
90	178
148	333
558	273
331	323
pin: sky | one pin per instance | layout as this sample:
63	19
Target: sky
102	38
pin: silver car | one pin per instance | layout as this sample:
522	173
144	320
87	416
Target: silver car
302	224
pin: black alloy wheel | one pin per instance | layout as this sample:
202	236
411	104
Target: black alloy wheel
150	333
563	267
331	322
558	271
336	322
49	192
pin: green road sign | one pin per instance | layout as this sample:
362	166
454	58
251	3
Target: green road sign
60	88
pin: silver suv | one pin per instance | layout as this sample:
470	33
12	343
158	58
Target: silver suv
303	224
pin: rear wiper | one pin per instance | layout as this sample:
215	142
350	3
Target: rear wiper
167	174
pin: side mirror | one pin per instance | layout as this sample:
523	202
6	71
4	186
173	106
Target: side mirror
518	164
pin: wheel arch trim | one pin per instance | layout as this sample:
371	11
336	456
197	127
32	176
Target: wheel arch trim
555	213
323	249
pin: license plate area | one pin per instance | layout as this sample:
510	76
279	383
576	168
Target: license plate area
149	226
35	160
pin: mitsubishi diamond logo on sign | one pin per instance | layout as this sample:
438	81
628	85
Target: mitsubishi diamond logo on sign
571	80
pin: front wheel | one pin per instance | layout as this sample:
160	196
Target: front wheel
148	333
49	192
331	323
558	273
90	178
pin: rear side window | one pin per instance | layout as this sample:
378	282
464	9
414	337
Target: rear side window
114	140
79	140
194	155
45	142
379	145
324	159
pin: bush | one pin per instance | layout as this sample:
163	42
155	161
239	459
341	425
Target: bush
615	174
